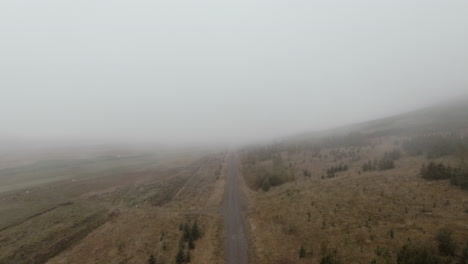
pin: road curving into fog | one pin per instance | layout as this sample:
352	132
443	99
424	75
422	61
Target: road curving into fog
236	244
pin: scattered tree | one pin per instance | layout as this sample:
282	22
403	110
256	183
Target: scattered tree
460	177
386	164
152	259
463	258
191	244
180	257
334	169
330	258
302	252
435	171
195	231
445	242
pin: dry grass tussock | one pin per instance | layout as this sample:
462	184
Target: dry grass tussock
361	216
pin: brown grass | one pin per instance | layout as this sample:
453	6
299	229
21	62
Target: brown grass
112	217
353	212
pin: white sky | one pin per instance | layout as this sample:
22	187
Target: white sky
222	71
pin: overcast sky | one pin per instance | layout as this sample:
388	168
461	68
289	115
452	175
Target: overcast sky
222	71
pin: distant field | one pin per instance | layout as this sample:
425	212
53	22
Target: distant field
51	205
47	171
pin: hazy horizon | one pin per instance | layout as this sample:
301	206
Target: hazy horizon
200	72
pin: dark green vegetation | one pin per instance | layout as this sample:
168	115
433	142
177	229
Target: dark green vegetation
190	234
270	175
437	146
416	254
152	259
445	242
446	252
387	162
460	178
302	252
330	258
334	169
463	257
439	171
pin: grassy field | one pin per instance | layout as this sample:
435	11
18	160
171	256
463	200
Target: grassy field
350	195
124	208
321	202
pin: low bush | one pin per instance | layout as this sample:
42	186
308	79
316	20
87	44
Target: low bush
334	169
445	242
330	258
435	171
460	177
412	254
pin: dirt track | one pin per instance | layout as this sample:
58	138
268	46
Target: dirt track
236	244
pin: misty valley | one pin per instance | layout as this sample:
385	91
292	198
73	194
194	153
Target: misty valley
388	191
234	132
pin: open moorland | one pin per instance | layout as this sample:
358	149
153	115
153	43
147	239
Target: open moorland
116	207
389	191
